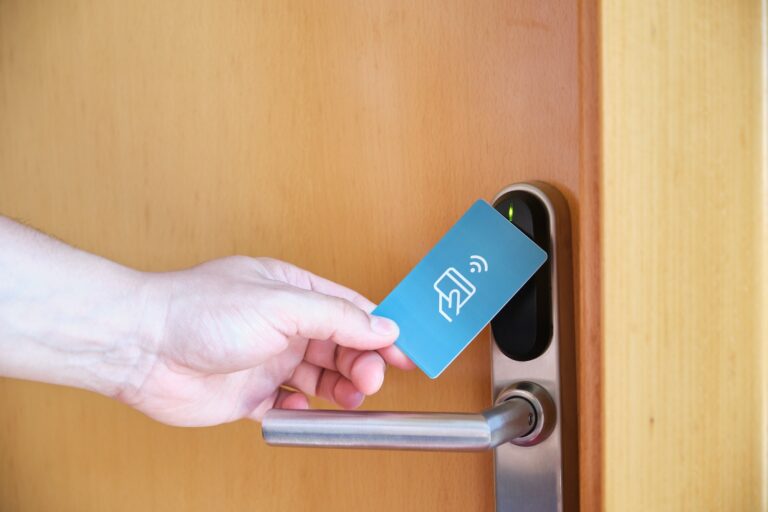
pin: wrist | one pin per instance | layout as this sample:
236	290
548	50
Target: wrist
83	326
71	318
133	347
106	339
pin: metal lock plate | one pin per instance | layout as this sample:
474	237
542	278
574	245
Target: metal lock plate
533	340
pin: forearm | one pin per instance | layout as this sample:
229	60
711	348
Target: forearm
68	317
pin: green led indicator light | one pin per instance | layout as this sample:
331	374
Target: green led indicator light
511	212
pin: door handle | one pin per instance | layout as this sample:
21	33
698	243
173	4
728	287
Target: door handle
524	415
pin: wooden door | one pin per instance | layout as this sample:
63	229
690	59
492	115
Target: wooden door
345	137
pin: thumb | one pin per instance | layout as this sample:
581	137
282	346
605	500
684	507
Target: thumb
317	316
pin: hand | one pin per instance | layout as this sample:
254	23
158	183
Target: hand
203	346
232	332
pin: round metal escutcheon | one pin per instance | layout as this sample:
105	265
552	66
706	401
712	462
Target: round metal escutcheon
543	405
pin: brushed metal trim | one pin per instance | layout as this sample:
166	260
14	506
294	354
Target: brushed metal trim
544	477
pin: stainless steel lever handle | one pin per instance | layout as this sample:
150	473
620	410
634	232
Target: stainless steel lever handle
523	415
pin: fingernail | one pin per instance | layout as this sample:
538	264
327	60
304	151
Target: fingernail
382	325
379	378
383	373
357	400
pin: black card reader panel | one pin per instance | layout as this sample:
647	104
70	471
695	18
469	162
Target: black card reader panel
523	328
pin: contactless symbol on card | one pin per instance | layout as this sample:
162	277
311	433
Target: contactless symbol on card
454	290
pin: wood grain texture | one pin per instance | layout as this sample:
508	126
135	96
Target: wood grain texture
345	137
684	212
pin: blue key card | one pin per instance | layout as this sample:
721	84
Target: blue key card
458	287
